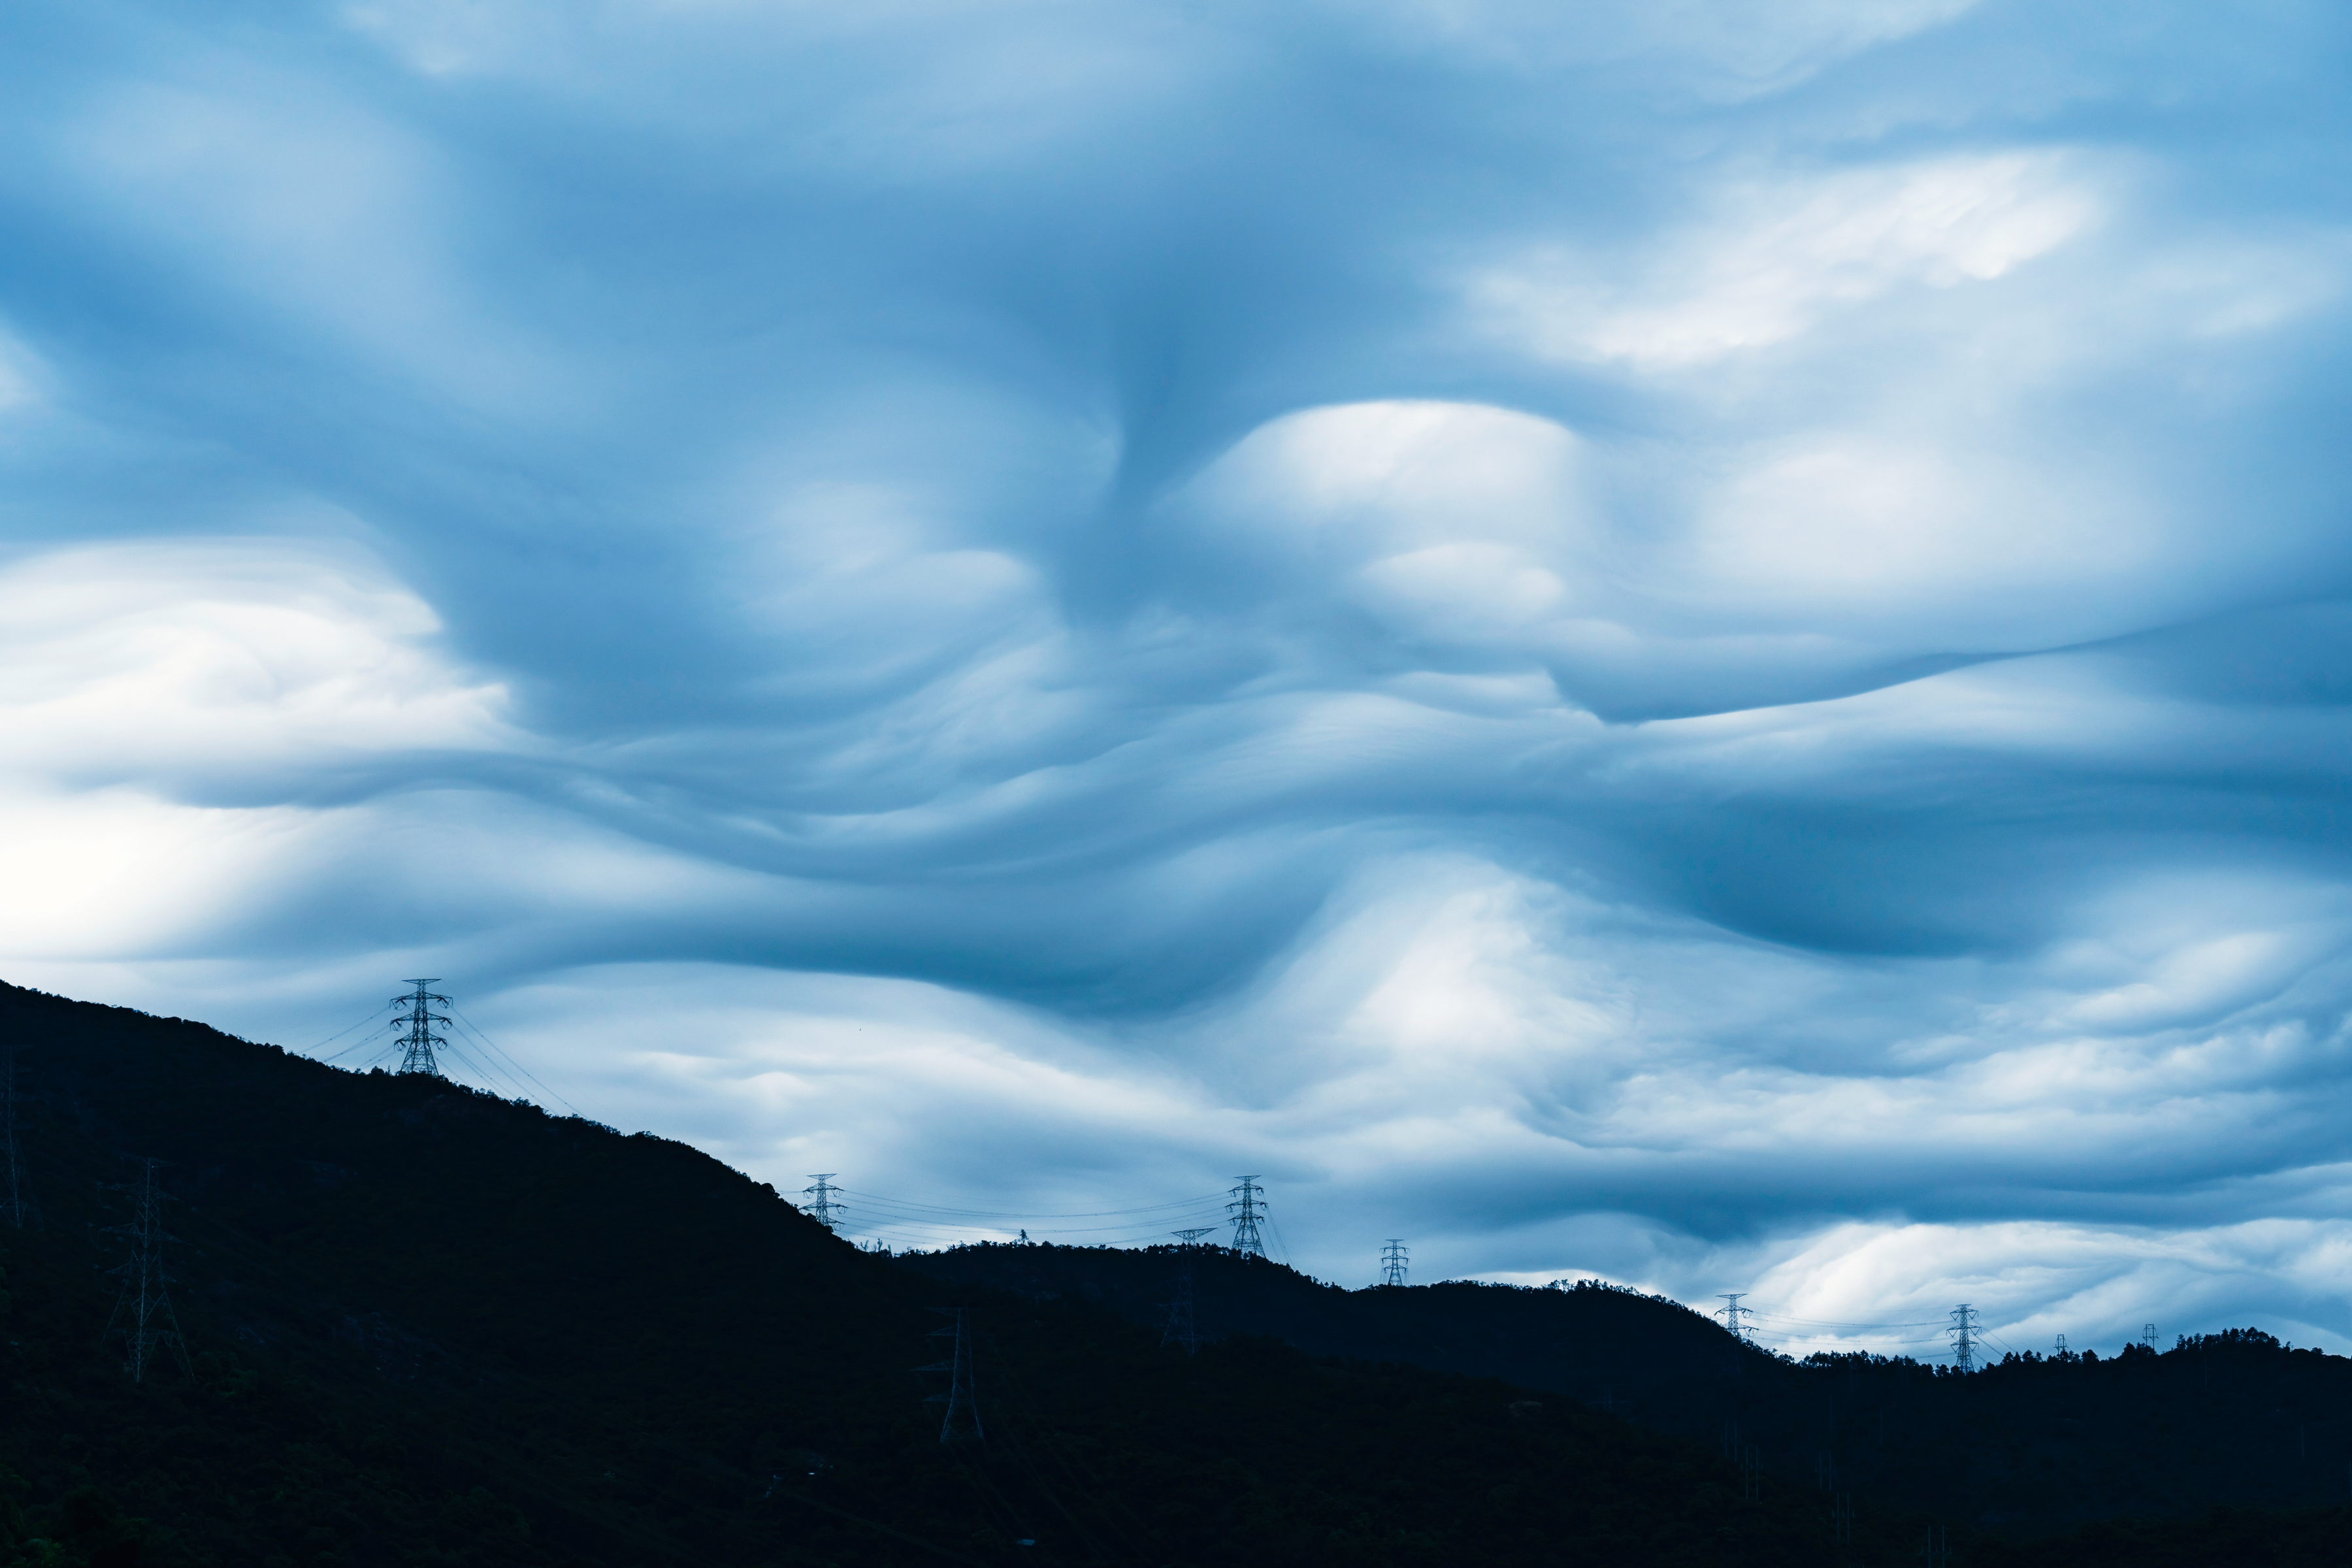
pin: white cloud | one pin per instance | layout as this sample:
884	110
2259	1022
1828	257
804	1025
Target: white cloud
1044	537
2033	1280
1482	532
116	874
1714	48
224	659
1921	544
1777	256
1367	479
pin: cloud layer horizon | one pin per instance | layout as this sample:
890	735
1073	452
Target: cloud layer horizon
1705	644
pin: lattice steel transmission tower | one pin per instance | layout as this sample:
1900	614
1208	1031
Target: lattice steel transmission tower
824	1208
1733	1313
2148	1336
1192	1237
1392	1262
1964	1337
961	1424
143	1312
417	1045
19	1205
1248	1208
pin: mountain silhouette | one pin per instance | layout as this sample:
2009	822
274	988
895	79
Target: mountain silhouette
411	1323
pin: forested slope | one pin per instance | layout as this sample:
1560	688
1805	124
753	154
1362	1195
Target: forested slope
2027	1447
428	1326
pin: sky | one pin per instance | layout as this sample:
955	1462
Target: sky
1697	642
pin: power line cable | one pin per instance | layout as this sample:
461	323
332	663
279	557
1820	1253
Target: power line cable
873	1223
918	1217
1113	1234
373	1048
1281	1242
1803	1333
385	1049
339	1033
865	1197
476	1031
1840	1341
347	1030
876	1205
482	1060
489	1080
1824	1323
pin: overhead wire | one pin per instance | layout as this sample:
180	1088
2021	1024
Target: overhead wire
477	1032
909	1204
481	1071
1794	1335
1281	1242
1794	1331
339	1033
906	1222
490	1062
875	1217
1823	1323
919	1222
885	1227
376	1047
382	1048
2004	1344
889	1223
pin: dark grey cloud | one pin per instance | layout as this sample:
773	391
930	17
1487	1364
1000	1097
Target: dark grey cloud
1701	644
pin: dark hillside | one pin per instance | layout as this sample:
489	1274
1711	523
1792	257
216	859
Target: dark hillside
431	1327
1652	1359
2028	1447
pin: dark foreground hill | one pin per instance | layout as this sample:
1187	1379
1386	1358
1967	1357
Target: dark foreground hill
2028	1447
429	1326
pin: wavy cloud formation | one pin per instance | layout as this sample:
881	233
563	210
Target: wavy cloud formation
1703	644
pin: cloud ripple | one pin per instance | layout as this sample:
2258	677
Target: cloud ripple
1702	646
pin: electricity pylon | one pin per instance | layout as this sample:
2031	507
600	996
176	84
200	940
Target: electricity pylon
1964	1337
417	1045
963	1422
823	1210
145	1300
1392	1262
1192	1237
1732	1313
1248	1208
